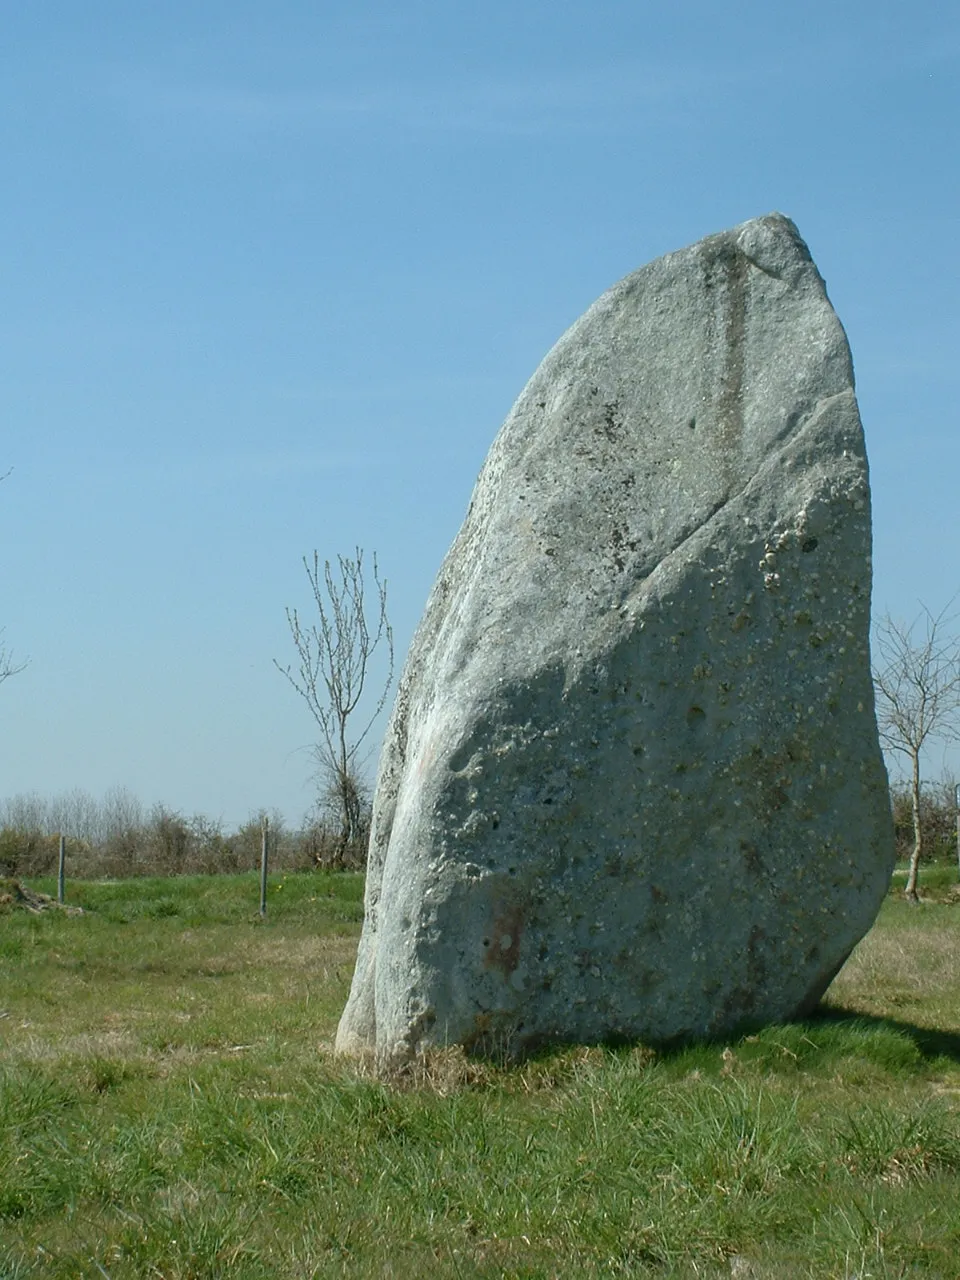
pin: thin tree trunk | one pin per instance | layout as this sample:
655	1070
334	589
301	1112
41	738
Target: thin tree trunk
343	781
910	891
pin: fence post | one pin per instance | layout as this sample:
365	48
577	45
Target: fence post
263	868
61	870
956	796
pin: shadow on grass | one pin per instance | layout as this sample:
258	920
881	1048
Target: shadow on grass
829	1034
930	1043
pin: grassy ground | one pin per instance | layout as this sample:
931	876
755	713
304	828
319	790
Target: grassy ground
169	1108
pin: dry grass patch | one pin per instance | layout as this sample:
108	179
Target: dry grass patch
908	968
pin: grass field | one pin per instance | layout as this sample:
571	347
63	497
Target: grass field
169	1108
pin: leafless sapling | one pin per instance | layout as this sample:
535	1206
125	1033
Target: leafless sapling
7	665
334	654
917	682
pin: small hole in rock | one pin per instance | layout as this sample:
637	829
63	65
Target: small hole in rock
809	545
696	717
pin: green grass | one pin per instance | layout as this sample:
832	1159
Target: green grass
169	1107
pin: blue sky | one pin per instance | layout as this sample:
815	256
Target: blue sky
272	276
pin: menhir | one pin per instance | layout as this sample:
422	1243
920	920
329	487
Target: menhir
632	785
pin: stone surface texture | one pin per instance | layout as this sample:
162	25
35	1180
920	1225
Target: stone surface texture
632	786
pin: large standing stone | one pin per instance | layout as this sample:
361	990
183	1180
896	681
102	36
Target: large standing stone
632	784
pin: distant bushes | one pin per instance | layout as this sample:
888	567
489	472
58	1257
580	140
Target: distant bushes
117	837
938	819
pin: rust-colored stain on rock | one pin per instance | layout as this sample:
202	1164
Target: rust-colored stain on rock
501	949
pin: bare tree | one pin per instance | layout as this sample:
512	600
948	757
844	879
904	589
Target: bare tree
917	683
334	655
7	665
